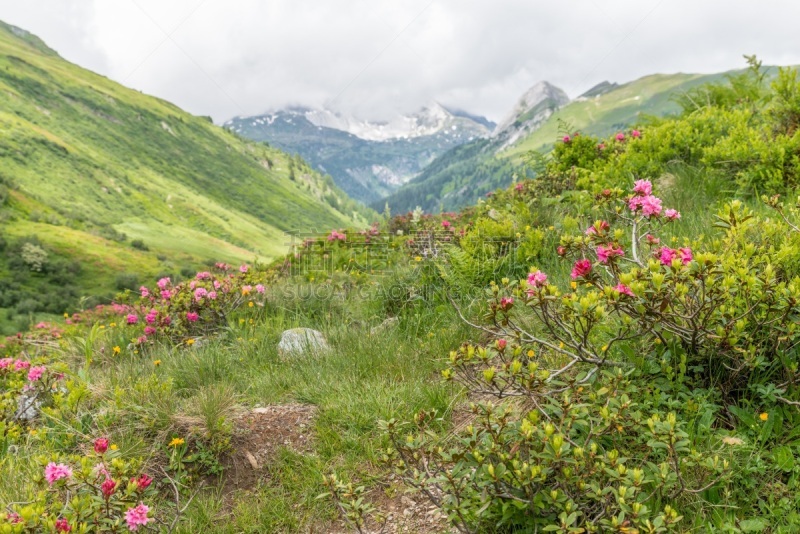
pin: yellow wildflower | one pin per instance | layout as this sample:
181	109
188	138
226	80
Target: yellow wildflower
418	258
113	325
176	442
530	353
157	363
190	341
116	349
573	285
114	447
250	304
764	416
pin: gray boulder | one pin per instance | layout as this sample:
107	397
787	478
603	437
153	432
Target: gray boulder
302	340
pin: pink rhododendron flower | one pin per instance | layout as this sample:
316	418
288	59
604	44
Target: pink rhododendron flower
652	239
205	275
142	482
149	330
506	303
601	146
446	224
42	325
606	253
101	445
150	318
566	139
217	284
200	293
501	344
672	214
145	292
62	525
636	134
132	318
686	255
623	289
36	373
244	268
137	516
54	472
581	268
666	255
635	203
141	339
108	487
518	187
5	363
537	279
163	283
651	206
166	294
260	288
192	317
19	365
643	187
620	136
212	295
192	284
100	470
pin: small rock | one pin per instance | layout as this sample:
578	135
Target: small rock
251	459
28	405
385	325
301	340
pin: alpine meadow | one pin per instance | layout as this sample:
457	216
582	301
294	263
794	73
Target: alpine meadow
581	319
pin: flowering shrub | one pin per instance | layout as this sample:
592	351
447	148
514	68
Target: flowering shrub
195	307
577	441
95	492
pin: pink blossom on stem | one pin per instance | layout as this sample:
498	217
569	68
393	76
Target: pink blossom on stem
636	134
686	255
537	279
145	292
137	516
666	255
54	472
260	288
672	214
36	373
623	290
581	269
192	317
163	283
643	187
132	318
651	206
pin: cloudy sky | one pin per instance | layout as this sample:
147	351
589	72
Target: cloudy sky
375	58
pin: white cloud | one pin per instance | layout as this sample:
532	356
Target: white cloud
231	57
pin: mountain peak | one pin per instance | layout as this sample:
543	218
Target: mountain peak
533	108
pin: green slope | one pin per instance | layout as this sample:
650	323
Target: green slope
84	160
453	180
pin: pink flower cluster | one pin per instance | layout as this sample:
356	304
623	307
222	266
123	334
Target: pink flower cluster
606	253
137	516
537	279
581	269
600	227
666	255
649	205
337	236
13	365
36	373
54	472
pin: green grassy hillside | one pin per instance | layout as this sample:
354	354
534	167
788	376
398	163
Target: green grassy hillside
453	181
117	181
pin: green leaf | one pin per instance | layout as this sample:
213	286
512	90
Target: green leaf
783	458
753	525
